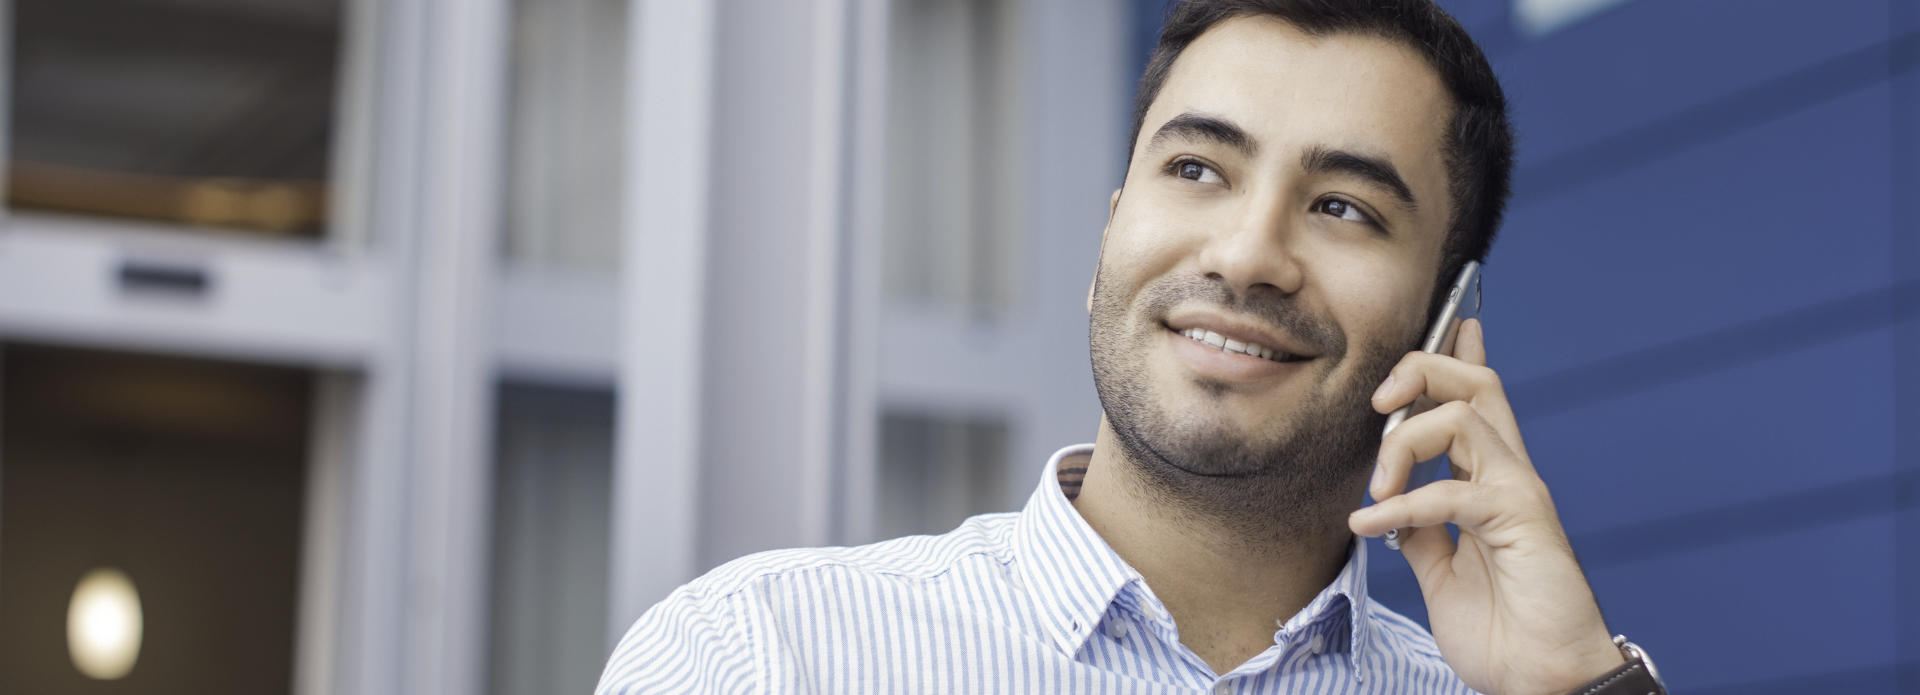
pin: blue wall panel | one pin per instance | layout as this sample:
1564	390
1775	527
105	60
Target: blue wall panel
1763	430
1785	215
1905	257
1627	67
1762	608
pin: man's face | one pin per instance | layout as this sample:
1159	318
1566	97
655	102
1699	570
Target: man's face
1288	191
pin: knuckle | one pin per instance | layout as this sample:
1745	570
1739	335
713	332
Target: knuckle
1458	412
1484	497
1487	378
1402	363
1456	491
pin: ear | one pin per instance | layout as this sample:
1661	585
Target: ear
1113	203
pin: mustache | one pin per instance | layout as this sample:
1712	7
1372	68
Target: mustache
1271	307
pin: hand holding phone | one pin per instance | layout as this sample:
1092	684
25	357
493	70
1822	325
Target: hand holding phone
1510	609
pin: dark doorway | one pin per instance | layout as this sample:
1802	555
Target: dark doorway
186	474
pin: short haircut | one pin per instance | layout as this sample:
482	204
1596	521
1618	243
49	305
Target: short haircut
1479	139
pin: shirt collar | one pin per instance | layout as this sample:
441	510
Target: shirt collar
1074	576
1072	573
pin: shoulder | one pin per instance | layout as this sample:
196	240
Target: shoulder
1404	646
924	557
704	634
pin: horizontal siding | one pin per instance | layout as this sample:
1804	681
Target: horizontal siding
1781	216
1762	608
1740	612
1764	429
1645	60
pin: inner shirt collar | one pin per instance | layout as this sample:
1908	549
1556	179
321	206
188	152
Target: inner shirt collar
1074	577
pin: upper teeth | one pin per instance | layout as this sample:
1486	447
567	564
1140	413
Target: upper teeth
1230	345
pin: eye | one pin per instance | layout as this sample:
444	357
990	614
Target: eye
1194	171
1343	210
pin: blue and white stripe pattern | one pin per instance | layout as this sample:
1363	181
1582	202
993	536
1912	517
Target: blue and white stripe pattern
1033	602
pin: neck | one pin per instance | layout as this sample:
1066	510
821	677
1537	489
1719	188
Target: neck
1225	584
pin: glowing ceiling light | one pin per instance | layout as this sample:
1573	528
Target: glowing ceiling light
104	624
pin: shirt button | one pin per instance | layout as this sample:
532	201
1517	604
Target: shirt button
1317	644
1223	689
1116	629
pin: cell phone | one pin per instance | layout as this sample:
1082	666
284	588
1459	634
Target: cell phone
1463	302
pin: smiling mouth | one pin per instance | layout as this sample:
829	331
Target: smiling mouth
1225	344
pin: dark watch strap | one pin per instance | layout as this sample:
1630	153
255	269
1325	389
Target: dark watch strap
1631	679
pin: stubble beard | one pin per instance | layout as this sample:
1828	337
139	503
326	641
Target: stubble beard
1256	489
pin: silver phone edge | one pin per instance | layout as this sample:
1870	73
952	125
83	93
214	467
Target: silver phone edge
1437	335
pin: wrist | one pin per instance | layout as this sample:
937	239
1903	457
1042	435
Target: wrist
1593	659
1607	661
1635	677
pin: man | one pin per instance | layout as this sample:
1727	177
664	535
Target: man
1304	174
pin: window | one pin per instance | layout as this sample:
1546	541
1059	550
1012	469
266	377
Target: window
208	113
564	133
953	164
935	471
189	476
553	468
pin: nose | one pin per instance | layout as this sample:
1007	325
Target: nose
1255	248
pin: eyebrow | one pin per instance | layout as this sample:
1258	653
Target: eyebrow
1377	170
1204	128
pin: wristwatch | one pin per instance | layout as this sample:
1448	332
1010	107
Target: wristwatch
1637	677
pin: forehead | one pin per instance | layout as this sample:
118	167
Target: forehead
1291	90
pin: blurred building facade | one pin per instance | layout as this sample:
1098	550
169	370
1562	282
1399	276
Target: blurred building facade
417	346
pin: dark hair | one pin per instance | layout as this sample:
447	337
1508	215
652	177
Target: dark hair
1479	145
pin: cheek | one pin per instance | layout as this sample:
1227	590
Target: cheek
1140	248
1381	311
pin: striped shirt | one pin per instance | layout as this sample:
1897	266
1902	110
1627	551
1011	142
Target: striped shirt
1027	602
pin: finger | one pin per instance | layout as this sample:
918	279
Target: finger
1456	502
1454	429
1439	377
1472	349
1445	379
1471	346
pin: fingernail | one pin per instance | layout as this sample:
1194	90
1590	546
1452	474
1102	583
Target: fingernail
1384	387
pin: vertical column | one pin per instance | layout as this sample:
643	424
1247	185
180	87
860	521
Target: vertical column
774	316
733	402
1079	51
413	598
372	642
822	372
865	128
336	405
461	145
669	87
